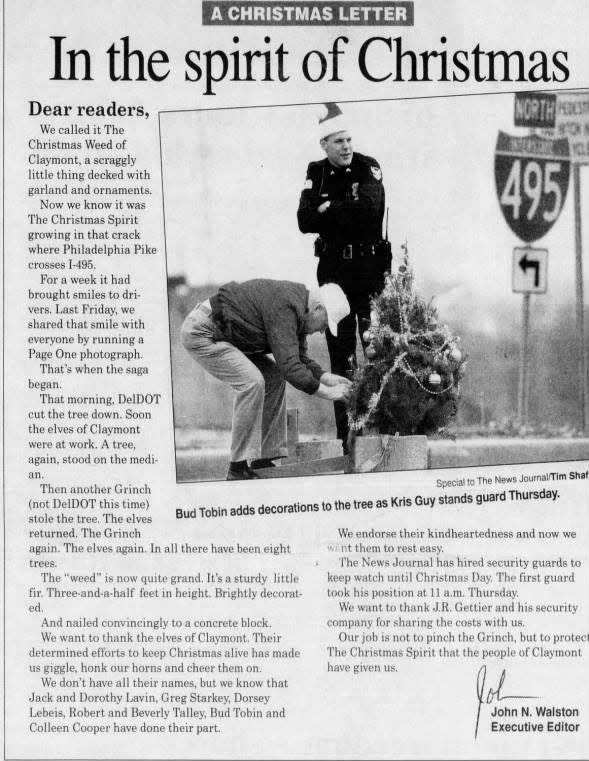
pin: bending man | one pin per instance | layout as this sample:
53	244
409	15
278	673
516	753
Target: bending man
231	335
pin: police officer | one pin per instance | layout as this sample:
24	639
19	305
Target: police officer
344	201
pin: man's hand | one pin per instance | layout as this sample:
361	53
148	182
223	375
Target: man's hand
331	379
337	393
324	206
341	391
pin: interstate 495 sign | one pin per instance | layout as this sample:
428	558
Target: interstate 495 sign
532	179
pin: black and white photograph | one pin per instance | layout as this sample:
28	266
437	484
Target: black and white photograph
373	285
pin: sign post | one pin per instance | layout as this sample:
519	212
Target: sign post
529	275
582	347
523	391
572	122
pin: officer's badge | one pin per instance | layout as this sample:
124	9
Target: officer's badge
355	186
376	173
308	184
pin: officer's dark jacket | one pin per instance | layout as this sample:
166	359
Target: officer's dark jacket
357	201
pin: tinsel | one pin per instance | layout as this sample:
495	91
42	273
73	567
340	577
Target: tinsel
409	382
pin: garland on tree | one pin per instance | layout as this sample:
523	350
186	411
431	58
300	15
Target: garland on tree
410	381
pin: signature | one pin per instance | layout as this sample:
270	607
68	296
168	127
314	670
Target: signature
486	695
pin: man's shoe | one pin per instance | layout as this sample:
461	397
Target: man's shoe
263	462
244	474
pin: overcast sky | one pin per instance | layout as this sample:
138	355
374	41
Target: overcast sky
232	180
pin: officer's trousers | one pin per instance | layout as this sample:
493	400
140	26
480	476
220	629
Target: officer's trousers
360	278
259	406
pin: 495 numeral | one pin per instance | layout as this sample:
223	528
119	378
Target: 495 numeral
533	182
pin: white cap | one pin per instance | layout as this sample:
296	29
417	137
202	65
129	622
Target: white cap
335	303
332	120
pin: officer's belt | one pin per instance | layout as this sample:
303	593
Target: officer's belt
351	250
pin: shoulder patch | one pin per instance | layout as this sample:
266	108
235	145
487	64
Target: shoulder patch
376	173
308	184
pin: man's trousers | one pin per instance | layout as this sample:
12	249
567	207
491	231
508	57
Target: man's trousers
259	406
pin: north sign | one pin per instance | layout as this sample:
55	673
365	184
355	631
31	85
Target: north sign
534	109
532	178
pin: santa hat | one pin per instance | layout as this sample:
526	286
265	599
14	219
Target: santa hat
332	120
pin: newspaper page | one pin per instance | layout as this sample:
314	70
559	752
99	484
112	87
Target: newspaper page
296	454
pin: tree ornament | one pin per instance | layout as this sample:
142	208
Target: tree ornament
434	379
374	319
455	355
370	352
367	336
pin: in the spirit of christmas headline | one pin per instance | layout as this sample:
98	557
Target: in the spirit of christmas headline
380	59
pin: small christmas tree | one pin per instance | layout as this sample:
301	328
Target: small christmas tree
410	381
